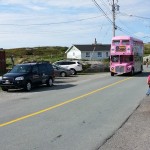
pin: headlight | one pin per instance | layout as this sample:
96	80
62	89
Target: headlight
19	78
128	68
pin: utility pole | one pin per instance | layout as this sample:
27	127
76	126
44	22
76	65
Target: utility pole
95	43
115	8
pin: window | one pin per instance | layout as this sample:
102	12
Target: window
71	63
59	63
35	69
87	54
99	54
115	58
126	58
21	69
125	42
107	54
116	42
42	68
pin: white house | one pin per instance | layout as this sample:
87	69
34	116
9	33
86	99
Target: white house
89	52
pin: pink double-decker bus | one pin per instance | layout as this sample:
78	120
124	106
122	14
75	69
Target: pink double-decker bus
126	55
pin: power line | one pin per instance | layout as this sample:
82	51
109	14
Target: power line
106	6
130	15
98	6
52	23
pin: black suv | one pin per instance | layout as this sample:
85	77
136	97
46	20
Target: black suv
27	75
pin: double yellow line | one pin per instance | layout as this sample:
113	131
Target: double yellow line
60	104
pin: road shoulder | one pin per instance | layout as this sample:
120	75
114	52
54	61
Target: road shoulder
135	133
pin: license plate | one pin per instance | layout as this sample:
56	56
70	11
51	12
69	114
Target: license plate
7	82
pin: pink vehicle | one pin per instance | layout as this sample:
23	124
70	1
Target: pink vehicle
126	55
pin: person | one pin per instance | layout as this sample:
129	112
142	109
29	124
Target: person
148	82
147	62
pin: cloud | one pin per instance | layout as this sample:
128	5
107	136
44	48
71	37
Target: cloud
50	22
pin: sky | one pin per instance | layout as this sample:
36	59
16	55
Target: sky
33	23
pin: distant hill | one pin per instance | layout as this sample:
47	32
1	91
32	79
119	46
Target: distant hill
46	53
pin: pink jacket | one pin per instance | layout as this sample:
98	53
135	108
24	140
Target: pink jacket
148	80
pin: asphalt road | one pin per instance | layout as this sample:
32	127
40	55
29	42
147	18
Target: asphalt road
77	113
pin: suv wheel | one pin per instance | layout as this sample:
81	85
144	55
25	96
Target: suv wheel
63	74
28	86
4	89
73	71
50	82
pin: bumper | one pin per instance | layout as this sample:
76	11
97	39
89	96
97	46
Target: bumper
13	85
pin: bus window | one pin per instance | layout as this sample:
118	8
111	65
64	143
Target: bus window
125	42
115	58
126	58
116	42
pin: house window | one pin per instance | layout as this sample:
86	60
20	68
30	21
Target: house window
99	54
107	54
87	54
73	53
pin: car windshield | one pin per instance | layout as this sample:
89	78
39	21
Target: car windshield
21	69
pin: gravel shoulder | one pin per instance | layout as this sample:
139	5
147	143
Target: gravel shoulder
135	133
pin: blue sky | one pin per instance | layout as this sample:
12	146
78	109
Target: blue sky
30	23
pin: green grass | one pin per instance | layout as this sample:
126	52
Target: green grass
20	55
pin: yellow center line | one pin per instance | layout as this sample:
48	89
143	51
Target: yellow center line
61	104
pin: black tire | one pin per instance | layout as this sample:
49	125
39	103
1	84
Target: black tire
4	88
73	71
49	82
63	74
132	72
28	86
141	69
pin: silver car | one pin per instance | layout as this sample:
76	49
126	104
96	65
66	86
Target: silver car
74	65
61	72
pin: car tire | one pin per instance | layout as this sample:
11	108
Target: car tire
63	74
28	86
73	71
50	82
4	88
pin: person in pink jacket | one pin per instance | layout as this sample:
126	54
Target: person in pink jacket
148	82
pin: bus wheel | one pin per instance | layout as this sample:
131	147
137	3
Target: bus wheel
132	72
112	74
141	69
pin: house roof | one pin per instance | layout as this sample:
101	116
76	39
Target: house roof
90	47
98	47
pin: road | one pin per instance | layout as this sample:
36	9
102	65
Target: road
77	113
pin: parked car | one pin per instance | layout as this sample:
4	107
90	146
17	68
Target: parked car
61	72
28	75
74	65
